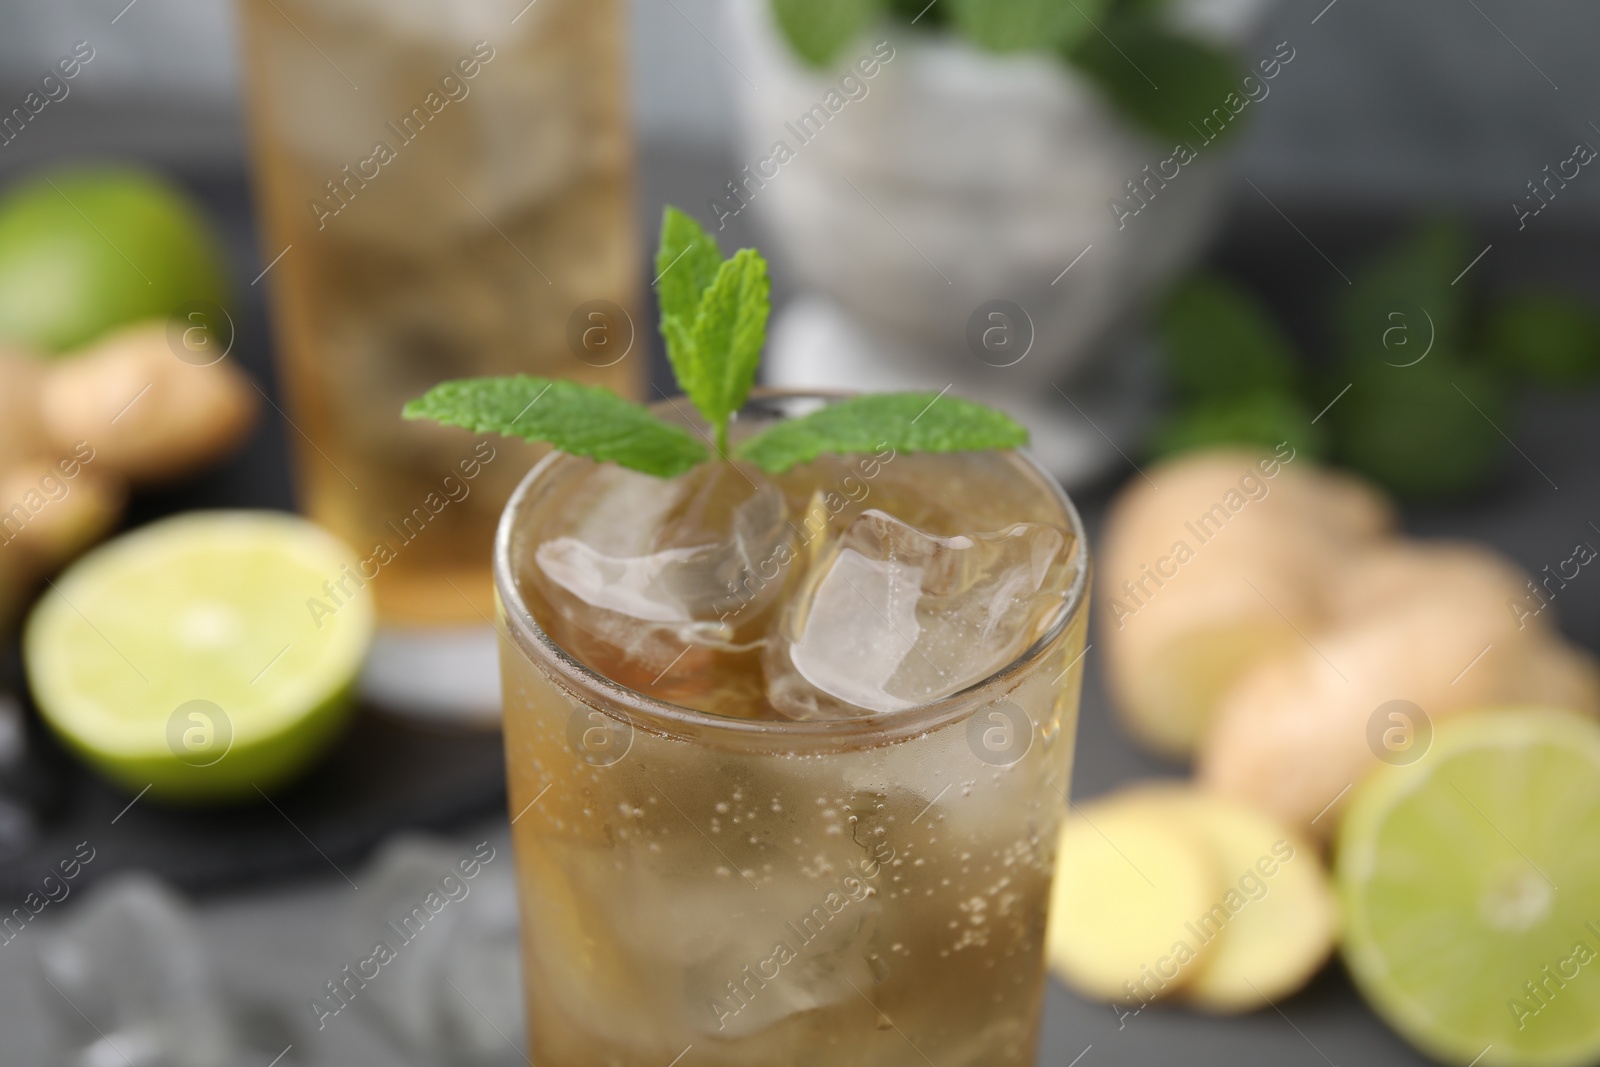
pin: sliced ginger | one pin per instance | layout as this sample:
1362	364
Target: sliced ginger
1126	882
1274	924
1163	889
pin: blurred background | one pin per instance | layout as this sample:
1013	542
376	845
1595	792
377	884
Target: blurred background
1016	222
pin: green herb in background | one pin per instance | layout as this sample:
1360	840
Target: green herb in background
1423	431
819	29
1408	420
1021	25
714	321
1430	384
1408	286
925	14
1263	418
1161	80
1550	338
1236	376
1219	341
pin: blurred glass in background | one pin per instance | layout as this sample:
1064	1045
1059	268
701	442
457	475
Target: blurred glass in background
427	222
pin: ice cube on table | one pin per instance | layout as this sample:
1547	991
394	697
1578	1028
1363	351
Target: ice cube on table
891	616
652	567
125	981
454	991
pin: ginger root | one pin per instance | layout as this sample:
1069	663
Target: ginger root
1425	624
149	415
1211	565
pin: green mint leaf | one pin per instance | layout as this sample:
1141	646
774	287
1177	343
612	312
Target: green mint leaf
818	30
585	420
1024	25
1550	338
1405	301
1173	86
1264	418
723	345
905	422
1218	340
927	16
1410	430
686	264
713	318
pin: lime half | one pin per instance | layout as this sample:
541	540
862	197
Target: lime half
204	656
1471	883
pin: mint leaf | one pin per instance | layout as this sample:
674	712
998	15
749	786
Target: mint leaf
1412	430
1405	300
729	332
713	318
1550	338
1023	25
686	264
818	29
906	422
585	420
1264	418
927	15
1164	82
1219	341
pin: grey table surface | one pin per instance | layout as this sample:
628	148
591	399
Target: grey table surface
276	941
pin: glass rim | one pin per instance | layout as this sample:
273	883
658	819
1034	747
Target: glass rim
664	717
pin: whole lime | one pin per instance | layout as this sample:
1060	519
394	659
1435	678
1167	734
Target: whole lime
83	250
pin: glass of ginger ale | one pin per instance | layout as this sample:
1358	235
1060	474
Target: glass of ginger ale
788	755
446	191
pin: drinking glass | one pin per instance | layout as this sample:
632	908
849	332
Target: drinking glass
865	890
445	189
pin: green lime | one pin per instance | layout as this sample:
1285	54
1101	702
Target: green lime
84	250
1471	884
205	655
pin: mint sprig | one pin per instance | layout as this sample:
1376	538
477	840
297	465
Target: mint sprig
906	422
1123	46
714	330
714	320
585	420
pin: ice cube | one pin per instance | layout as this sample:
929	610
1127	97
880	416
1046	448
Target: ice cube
891	616
454	990
713	946
652	567
132	960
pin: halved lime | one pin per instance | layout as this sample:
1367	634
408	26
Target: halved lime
206	655
1471	883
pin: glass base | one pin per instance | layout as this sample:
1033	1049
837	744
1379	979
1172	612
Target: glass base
442	675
